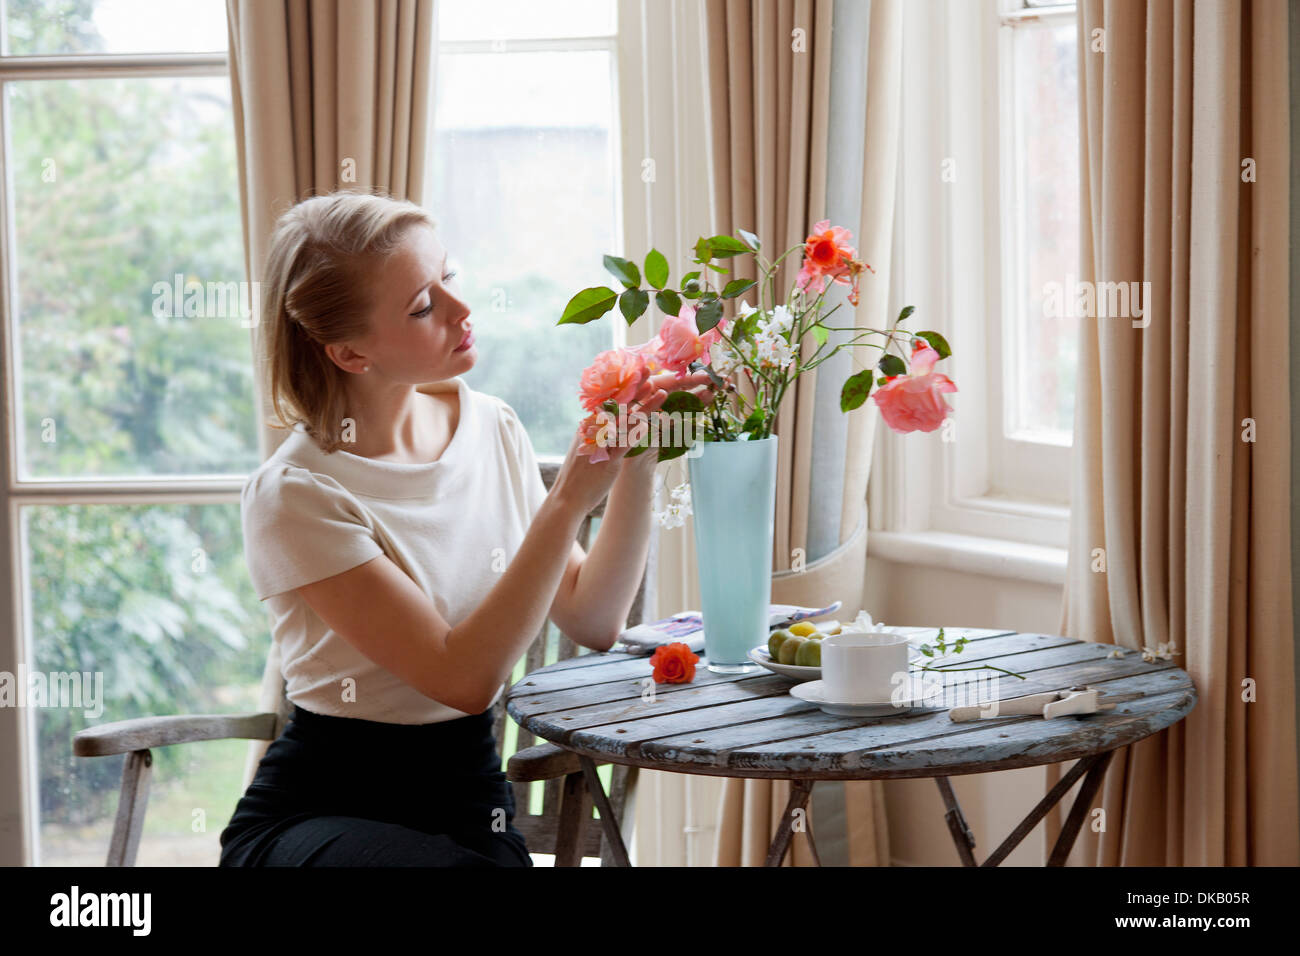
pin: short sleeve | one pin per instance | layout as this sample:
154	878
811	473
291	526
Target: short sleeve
300	528
521	447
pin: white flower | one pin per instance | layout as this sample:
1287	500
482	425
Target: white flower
1163	652
722	359
773	350
782	320
744	310
679	507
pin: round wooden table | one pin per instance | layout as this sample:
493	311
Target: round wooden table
606	708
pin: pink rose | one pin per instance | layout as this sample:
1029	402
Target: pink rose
914	402
596	445
679	343
616	374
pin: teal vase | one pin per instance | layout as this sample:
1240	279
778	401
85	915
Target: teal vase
733	501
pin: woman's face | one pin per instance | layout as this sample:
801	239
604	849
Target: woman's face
419	318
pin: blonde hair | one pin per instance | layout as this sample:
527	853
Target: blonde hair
319	291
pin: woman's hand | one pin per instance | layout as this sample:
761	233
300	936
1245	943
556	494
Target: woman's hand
582	483
653	394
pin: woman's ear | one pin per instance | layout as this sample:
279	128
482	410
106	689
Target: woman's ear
347	358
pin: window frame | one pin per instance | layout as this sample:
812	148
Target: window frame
622	55
946	502
20	844
1020	467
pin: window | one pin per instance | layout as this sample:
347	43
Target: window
1039	113
987	218
132	418
527	138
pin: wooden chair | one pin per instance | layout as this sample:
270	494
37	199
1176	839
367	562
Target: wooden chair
562	828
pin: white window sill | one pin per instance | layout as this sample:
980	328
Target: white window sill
993	557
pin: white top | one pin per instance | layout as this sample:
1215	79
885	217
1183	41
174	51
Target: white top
452	525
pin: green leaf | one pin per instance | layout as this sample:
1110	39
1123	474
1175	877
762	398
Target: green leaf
754	421
927	650
588	305
624	271
638	450
633	304
708	315
750	239
891	365
855	391
669	302
717	268
723	247
738	287
820	334
610	406
907	310
668	454
748	325
682	401
937	342
702	251
691	285
656	269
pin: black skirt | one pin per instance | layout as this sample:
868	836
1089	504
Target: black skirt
339	791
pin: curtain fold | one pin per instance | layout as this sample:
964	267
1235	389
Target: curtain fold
1183	440
327	95
769	72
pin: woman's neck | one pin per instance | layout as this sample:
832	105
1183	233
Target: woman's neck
399	423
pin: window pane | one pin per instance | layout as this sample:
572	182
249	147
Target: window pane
156	601
524	194
1042	342
524	19
47	27
125	194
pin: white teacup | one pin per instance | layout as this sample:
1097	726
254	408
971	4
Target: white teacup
860	668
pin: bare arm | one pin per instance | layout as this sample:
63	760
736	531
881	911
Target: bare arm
599	587
378	609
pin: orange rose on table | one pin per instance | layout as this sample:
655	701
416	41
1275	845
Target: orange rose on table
674	664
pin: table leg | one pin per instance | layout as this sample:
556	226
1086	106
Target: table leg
800	791
1050	800
961	833
1095	768
607	820
1091	783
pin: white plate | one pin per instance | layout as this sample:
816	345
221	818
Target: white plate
759	655
920	694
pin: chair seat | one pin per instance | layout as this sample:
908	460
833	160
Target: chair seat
541	762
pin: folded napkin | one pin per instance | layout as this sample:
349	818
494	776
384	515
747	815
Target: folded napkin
687	627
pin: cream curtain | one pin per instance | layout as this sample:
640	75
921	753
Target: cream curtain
1182	430
769	80
327	95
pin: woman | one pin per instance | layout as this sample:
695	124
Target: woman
408	552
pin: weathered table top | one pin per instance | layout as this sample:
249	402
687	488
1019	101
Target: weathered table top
749	725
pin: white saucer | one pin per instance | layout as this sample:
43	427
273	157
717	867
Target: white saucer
918	693
760	655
